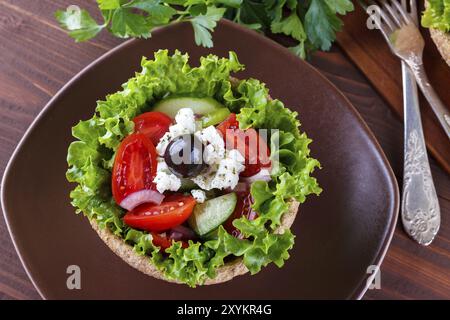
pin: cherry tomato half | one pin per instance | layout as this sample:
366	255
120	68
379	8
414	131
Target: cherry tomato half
248	142
173	211
134	166
152	124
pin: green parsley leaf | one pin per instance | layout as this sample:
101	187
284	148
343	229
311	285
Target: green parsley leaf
299	50
157	12
292	4
230	3
204	23
198	9
321	24
176	2
108	4
79	23
275	9
126	24
290	26
313	23
340	6
253	13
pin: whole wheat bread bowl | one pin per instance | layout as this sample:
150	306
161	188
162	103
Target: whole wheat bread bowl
142	263
442	41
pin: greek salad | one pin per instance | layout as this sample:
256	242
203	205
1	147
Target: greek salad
192	168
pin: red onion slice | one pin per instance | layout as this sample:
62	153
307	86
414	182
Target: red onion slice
139	197
263	175
181	233
241	187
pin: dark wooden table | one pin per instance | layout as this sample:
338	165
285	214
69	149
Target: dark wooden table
37	59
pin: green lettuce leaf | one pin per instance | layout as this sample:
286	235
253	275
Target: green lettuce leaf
437	15
91	156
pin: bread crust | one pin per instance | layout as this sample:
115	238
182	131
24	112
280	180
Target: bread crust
442	41
142	263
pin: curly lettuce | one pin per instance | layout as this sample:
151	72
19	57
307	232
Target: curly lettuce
90	159
437	15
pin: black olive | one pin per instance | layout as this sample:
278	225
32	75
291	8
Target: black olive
184	156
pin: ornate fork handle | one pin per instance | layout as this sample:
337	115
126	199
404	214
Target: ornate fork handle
420	207
416	65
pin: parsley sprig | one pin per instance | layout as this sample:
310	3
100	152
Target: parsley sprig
312	23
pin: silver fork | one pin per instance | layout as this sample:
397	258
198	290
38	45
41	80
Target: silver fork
405	41
420	207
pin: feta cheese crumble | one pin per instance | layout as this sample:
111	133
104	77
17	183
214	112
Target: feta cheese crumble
164	179
223	175
184	124
215	146
199	195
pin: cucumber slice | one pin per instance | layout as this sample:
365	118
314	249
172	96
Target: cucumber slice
201	106
212	213
215	117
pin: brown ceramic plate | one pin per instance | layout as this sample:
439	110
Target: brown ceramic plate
339	234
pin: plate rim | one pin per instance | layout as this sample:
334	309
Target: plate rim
358	292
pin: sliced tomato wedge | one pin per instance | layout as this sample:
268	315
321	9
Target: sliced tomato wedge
153	124
161	240
164	242
243	208
248	142
229	123
134	166
173	211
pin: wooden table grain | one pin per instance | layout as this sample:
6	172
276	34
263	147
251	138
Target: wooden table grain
37	59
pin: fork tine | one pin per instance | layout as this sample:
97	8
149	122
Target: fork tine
386	28
403	12
413	9
383	15
404	4
394	16
385	31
